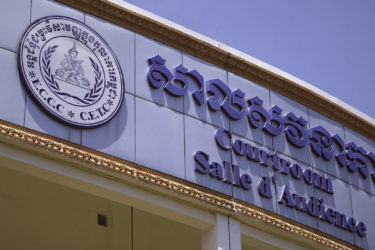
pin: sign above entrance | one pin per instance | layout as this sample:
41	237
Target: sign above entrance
70	71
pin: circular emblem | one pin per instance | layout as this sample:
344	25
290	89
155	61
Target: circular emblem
70	71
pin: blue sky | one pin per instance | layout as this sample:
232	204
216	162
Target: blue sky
328	43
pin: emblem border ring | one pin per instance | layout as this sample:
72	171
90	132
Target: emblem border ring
27	85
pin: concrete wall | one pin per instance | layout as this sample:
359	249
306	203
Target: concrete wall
38	214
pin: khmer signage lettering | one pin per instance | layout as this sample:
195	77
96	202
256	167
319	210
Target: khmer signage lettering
350	157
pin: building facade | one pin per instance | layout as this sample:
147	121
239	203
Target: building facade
122	130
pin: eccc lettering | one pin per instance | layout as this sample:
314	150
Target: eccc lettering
95	114
84	115
350	157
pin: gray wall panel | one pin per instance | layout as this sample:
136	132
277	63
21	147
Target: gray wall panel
159	138
363	210
340	201
208	72
14	18
12	96
38	119
117	137
121	41
331	167
201	136
294	186
242	127
145	49
256	172
356	179
42	8
280	142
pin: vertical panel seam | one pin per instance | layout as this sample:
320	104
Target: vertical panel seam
135	96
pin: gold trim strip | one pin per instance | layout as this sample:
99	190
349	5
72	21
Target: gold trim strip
203	50
17	135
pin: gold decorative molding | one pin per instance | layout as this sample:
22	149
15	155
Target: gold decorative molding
212	54
17	135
